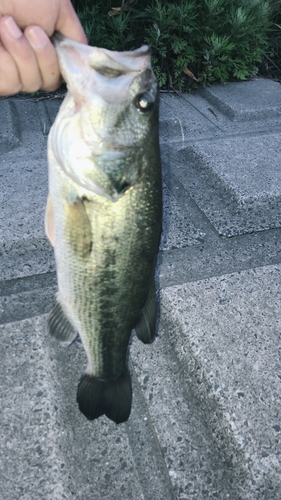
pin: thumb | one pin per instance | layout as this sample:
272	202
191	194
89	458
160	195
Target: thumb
68	23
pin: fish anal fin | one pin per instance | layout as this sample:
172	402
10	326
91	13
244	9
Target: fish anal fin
49	221
146	326
59	325
96	397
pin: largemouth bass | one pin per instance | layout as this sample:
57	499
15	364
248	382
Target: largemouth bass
103	215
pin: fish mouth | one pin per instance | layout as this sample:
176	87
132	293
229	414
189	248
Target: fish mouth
111	73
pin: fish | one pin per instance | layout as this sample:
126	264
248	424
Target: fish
104	215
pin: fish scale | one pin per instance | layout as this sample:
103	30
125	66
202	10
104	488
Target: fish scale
105	222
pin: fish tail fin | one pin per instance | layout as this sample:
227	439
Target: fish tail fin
96	397
118	398
146	326
90	396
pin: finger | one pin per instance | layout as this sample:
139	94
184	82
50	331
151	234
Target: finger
68	23
46	57
22	53
10	82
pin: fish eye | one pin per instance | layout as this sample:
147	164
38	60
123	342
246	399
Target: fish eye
144	102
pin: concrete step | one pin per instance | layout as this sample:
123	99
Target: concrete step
205	408
224	333
49	450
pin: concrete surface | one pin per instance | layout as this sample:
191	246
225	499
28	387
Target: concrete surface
206	415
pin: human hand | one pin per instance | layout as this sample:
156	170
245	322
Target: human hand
28	60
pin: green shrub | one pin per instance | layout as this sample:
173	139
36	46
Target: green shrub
272	56
215	40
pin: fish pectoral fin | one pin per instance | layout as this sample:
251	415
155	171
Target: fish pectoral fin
59	325
96	397
49	221
146	326
78	229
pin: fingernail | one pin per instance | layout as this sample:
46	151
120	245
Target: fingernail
37	37
12	28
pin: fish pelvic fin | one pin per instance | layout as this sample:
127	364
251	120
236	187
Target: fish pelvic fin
146	326
97	397
59	325
49	221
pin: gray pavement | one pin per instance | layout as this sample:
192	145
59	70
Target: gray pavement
206	415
